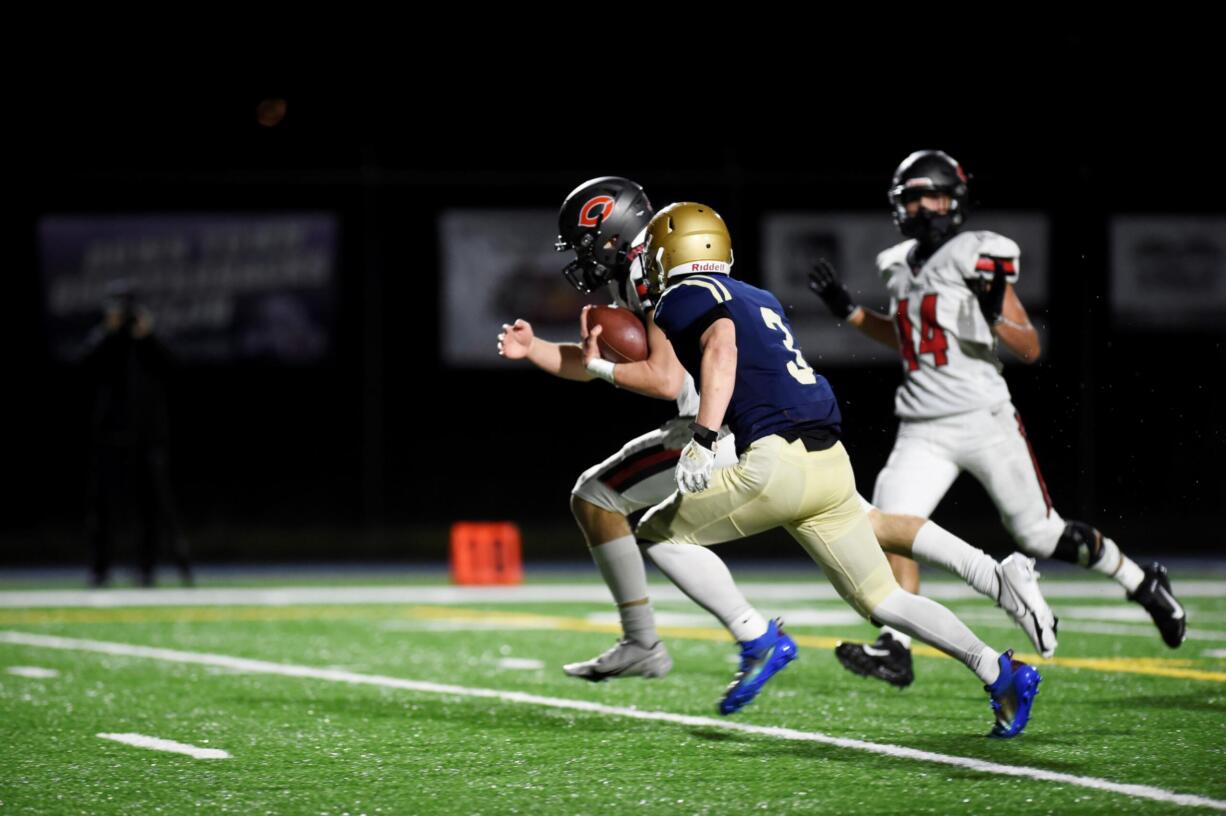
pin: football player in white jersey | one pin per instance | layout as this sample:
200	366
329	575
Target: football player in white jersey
603	222
951	302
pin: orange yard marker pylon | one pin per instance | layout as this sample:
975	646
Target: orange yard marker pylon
486	552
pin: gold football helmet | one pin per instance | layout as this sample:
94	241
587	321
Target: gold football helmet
685	239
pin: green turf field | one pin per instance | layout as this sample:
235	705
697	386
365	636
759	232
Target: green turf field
333	728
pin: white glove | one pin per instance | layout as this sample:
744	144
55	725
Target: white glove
694	468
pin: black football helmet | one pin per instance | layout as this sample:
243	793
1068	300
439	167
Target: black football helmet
927	171
598	221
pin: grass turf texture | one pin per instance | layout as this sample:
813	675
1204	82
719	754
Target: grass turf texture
313	746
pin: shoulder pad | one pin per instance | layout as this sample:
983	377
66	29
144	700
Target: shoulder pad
997	246
976	254
896	254
689	299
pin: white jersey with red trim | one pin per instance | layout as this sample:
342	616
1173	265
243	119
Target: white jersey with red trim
632	294
948	349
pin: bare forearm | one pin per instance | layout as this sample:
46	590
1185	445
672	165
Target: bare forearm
563	360
1021	339
718	382
1015	330
874	325
660	375
647	379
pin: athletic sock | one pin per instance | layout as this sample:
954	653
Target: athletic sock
701	575
1119	567
938	627
937	546
639	622
988	668
621	566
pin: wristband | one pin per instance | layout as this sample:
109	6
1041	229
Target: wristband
704	436
601	368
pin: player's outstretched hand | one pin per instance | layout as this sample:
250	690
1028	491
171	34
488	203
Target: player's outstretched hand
825	282
516	340
587	337
991	294
694	467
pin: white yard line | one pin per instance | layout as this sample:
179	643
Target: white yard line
33	672
338	676
521	663
842	615
1000	620
1119	613
816	590
1137	631
156	744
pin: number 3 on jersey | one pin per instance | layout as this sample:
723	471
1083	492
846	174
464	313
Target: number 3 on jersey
799	369
932	336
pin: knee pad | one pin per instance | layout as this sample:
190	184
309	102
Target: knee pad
1079	544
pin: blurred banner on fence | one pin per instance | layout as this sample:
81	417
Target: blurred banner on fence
1169	272
220	287
499	265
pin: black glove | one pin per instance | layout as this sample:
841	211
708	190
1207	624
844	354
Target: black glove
991	294
825	283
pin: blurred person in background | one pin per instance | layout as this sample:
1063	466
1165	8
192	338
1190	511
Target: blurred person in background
127	368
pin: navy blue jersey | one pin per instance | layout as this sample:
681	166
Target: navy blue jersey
776	390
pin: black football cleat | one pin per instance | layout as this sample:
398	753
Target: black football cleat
885	658
1155	595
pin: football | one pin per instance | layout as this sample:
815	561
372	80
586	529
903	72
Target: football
623	338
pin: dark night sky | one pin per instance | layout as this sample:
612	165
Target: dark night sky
397	438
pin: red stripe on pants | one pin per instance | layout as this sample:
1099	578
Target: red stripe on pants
620	476
1034	460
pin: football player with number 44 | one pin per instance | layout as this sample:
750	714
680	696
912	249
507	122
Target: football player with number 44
951	301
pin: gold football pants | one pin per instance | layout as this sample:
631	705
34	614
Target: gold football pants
776	483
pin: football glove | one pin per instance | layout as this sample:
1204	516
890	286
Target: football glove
694	467
826	284
990	291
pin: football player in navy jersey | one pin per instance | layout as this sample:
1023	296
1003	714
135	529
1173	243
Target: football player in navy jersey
792	471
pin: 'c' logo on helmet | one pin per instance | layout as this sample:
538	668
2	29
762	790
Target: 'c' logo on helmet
595	211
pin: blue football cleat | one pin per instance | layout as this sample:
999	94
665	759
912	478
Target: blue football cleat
1012	696
761	659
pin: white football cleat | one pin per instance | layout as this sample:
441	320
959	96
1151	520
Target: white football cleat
1020	597
626	659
